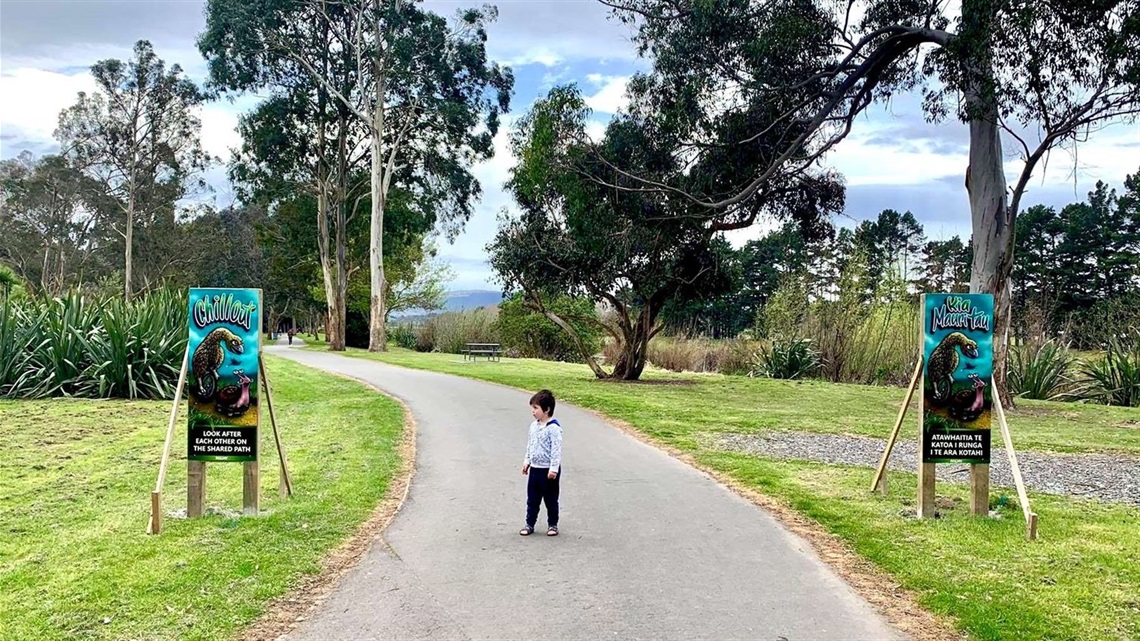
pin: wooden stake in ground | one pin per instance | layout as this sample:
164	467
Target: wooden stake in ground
880	480
195	488
980	487
286	483
155	525
1015	469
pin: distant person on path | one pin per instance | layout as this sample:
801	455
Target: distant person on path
291	332
543	463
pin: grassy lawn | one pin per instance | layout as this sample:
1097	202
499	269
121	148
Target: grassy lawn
1081	580
75	562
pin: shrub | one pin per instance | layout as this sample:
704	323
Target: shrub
786	359
532	335
1114	379
403	335
77	346
138	352
1040	370
22	342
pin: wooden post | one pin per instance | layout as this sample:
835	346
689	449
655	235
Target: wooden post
880	480
925	490
155	525
195	488
286	484
926	472
980	489
250	496
1015	470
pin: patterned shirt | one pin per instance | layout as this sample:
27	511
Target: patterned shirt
544	446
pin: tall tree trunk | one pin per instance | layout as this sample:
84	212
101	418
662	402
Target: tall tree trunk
377	335
130	234
985	182
333	333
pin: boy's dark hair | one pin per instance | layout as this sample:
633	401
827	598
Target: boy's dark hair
545	400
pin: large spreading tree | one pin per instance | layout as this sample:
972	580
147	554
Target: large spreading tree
633	252
1047	73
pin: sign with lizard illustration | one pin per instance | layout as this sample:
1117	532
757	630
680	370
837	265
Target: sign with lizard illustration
958	349
222	380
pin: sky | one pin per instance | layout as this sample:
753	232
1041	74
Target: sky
893	158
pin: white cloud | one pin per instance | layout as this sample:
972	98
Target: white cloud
611	97
31	99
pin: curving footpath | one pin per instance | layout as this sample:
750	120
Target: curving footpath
650	548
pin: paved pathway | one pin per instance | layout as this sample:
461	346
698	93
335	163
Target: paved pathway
650	548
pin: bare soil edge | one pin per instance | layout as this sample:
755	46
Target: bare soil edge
286	612
893	602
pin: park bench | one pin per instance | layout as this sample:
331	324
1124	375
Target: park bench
474	350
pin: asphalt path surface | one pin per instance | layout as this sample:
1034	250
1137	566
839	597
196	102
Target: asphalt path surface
650	548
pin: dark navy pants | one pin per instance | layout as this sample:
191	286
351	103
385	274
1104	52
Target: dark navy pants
541	489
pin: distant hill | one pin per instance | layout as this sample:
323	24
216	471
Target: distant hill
457	301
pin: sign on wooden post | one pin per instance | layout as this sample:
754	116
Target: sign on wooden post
957	390
225	367
221	370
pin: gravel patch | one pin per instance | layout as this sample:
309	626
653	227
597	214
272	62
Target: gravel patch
1106	477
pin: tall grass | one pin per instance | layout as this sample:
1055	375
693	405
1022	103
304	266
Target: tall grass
732	356
450	332
860	337
76	346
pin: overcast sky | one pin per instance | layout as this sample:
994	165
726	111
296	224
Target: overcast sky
892	159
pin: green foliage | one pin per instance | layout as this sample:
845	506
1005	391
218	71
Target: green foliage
859	338
21	344
1041	371
787	359
138	352
403	334
77	346
1115	379
532	335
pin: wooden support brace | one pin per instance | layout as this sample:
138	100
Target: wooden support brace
1015	470
880	480
286	483
155	524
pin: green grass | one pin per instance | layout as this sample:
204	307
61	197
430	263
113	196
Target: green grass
674	407
75	482
1081	580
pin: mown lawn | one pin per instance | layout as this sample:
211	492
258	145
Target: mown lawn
1081	580
75	481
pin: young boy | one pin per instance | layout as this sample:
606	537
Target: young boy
543	463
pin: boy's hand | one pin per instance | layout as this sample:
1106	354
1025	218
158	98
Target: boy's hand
526	470
552	474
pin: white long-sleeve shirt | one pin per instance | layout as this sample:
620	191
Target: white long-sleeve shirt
544	445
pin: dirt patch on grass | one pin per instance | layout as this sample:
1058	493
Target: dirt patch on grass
288	611
894	603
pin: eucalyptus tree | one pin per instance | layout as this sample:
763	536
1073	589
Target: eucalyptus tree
425	92
138	137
